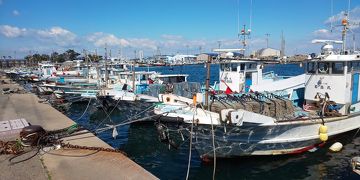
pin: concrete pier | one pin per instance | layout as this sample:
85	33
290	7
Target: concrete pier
63	163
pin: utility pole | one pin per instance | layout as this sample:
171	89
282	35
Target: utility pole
267	40
282	52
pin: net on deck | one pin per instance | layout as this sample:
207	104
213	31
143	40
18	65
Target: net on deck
273	107
185	89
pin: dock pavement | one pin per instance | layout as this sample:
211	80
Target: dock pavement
63	163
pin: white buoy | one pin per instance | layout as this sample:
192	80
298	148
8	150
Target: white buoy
336	147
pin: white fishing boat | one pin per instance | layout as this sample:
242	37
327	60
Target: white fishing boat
266	124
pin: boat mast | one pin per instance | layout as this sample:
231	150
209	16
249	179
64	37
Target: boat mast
207	82
344	23
133	73
106	72
86	63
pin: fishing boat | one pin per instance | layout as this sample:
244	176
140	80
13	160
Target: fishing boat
267	124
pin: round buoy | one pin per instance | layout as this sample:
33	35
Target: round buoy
323	129
323	137
336	147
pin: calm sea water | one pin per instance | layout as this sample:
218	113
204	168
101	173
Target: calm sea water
141	144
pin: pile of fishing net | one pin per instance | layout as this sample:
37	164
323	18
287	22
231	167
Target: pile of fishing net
275	107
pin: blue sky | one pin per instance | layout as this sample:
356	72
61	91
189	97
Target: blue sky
172	26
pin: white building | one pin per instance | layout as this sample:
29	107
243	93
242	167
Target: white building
268	53
182	58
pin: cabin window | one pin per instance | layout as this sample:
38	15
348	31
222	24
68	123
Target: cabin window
225	67
349	66
234	67
355	65
242	67
337	68
323	68
251	66
311	67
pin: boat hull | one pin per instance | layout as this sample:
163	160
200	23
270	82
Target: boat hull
254	139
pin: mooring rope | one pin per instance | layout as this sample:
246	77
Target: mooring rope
190	148
213	140
99	130
214	148
84	110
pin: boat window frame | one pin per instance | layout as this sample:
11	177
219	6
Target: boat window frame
314	67
225	67
250	66
349	66
242	66
335	71
325	70
355	66
234	67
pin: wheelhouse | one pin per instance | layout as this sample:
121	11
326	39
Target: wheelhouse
239	75
334	77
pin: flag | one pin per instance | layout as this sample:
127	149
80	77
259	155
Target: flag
228	91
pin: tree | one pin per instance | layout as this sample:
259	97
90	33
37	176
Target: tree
94	57
71	54
57	58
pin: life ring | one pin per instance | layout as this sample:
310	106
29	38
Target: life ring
324	69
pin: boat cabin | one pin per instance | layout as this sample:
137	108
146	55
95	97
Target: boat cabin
141	77
47	69
334	77
239	75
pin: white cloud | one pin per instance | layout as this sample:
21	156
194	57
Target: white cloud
12	31
324	34
101	39
58	35
16	13
143	43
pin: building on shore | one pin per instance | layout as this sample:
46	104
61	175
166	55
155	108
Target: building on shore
268	53
206	56
8	63
184	59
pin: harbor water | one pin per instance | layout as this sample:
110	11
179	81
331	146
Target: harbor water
140	142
